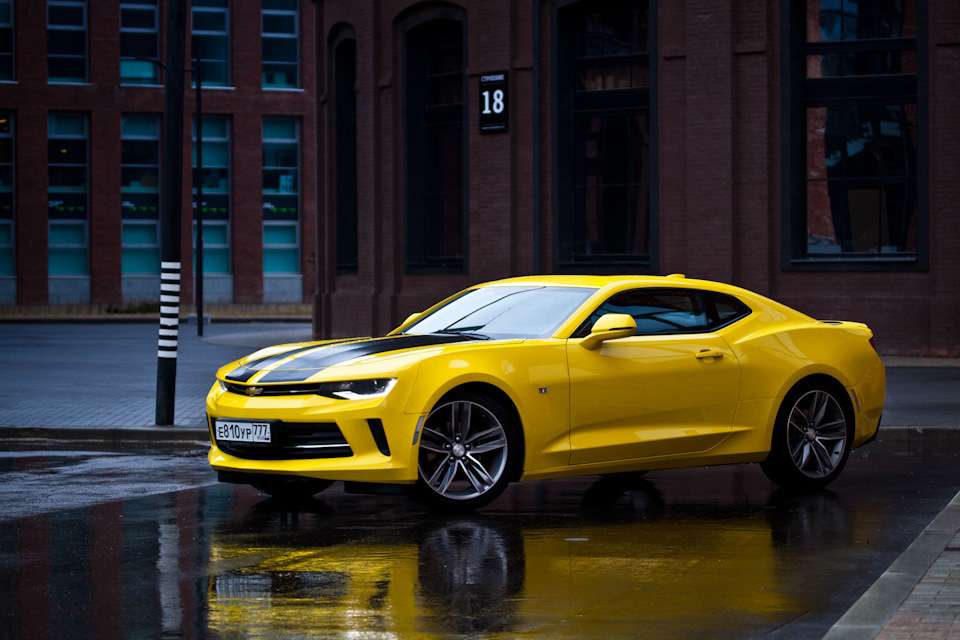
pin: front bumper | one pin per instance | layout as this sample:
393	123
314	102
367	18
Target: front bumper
319	437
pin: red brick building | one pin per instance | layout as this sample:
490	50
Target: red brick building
81	108
803	149
371	158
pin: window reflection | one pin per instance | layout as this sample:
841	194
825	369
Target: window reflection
861	139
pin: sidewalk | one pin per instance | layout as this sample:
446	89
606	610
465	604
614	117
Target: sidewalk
82	380
98	381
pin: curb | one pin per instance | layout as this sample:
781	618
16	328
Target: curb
145	435
875	608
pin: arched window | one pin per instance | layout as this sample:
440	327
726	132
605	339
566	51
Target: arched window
345	149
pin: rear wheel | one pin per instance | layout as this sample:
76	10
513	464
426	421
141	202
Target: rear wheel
292	487
811	438
468	452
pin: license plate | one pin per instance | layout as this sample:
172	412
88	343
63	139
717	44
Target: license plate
237	431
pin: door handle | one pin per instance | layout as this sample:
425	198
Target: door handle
709	353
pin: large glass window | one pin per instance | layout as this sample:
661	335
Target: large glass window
436	146
280	44
210	30
7	262
604	135
215	205
345	147
140	191
66	41
855	199
281	195
67	166
139	41
6	40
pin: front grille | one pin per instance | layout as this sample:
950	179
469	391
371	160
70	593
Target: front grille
300	389
293	440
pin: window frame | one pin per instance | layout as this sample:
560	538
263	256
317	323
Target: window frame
571	104
276	219
196	8
345	171
798	94
86	40
141	5
54	219
220	219
9	26
265	35
130	216
416	251
7	217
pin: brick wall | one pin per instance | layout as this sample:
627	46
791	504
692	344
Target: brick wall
719	160
32	99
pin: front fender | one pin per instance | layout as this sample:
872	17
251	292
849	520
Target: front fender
532	374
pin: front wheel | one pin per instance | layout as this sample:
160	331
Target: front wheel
468	452
811	438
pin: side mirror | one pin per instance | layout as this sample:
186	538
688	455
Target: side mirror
609	327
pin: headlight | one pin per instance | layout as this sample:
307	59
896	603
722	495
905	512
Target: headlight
357	389
351	390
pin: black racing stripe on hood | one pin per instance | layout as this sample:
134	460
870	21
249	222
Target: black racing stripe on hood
313	360
252	367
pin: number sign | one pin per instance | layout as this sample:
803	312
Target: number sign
493	102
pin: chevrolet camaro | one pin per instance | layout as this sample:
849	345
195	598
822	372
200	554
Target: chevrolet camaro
551	376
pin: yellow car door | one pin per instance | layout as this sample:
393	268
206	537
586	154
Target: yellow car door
673	391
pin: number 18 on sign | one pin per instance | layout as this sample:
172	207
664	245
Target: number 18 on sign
493	102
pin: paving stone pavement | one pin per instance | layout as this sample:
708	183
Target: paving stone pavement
78	375
932	610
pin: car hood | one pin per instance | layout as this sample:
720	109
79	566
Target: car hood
299	362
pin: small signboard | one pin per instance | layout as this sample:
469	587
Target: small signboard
493	102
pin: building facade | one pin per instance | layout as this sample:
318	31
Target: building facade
81	125
800	148
370	158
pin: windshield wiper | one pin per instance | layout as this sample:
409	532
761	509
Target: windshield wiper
465	331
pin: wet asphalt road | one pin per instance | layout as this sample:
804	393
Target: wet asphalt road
141	544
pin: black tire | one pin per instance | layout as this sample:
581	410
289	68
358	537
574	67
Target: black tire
811	438
291	487
469	450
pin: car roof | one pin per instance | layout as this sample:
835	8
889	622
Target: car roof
600	282
606	285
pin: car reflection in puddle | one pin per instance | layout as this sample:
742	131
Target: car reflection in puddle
624	563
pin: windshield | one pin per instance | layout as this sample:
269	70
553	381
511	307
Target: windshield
504	312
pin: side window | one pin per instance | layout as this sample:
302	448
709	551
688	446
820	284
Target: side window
656	311
723	309
670	311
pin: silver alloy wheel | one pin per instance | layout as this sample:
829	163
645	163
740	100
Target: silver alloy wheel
816	434
463	450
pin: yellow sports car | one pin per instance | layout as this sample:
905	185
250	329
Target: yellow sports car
551	376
